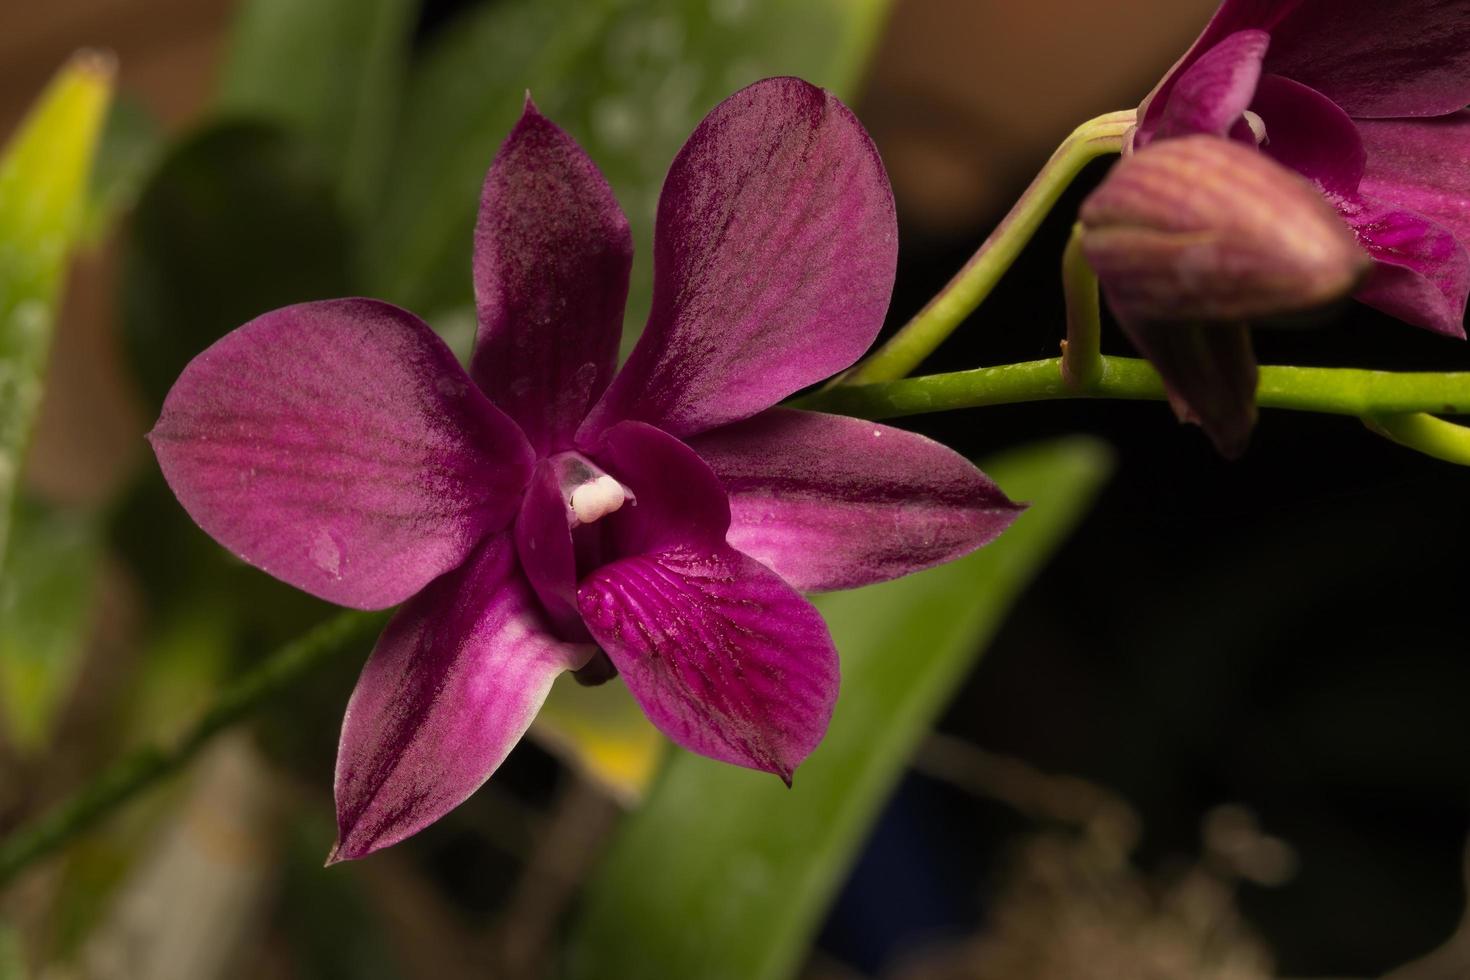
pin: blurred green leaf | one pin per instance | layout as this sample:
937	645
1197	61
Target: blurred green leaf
132	142
330	69
43	183
12	954
46	590
726	873
628	78
237	220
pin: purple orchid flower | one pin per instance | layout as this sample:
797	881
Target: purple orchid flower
537	508
1364	98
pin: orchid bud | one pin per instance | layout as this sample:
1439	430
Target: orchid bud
1203	229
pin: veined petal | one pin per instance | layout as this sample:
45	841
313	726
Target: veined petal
453	683
1421	273
1422	165
1307	132
774	257
1213	93
1375	58
725	658
831	502
1210	374
340	447
552	253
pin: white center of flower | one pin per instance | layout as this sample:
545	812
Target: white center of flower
595	499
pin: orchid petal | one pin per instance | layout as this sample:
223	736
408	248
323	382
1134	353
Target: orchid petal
1375	58
831	502
340	447
678	502
1212	95
1210	374
544	543
552	254
1308	133
453	683
774	258
1421	273
1422	165
724	657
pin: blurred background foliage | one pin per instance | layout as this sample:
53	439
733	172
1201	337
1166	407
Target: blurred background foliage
1285	633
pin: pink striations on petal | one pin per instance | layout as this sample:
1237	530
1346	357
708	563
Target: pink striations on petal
831	502
774	256
341	448
725	658
454	681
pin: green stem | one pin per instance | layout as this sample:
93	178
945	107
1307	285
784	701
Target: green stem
1425	433
1081	351
141	770
1336	391
906	349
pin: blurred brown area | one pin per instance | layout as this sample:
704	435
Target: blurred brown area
966	97
166	49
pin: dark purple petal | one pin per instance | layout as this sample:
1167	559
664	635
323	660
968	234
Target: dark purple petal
1307	132
340	447
1212	95
1422	165
1209	373
552	252
544	543
453	683
1375	58
677	499
774	256
725	658
835	503
1421	273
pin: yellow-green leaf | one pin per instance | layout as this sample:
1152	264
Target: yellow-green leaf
43	192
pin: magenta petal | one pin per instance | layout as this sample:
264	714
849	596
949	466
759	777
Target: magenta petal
1422	165
1378	58
831	502
544	544
453	683
1210	375
725	658
774	257
1421	273
677	499
552	253
1307	132
1215	91
340	447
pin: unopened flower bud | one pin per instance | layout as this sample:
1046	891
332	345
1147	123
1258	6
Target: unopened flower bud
1203	229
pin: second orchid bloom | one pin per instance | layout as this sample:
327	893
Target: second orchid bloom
1362	101
538	509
